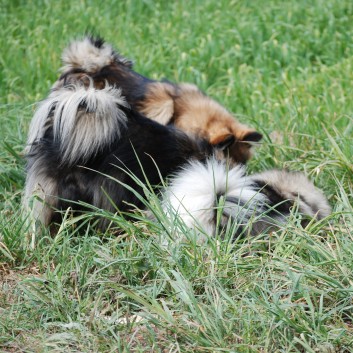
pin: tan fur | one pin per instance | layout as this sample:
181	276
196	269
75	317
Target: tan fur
158	104
190	110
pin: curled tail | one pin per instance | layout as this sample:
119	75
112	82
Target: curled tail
90	55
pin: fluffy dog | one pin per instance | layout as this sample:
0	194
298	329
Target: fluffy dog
83	143
182	105
86	145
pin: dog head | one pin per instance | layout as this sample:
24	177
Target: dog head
192	111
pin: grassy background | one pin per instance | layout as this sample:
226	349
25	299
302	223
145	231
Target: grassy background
284	67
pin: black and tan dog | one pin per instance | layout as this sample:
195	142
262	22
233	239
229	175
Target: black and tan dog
87	145
182	105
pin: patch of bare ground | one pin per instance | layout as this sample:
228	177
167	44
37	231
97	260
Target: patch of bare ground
10	278
151	338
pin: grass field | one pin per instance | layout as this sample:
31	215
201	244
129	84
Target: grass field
284	67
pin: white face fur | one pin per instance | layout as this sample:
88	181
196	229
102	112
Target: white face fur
83	118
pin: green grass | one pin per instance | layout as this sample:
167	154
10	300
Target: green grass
284	67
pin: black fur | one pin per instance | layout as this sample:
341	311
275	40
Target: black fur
143	142
277	204
96	41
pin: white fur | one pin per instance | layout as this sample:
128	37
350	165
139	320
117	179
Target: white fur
193	193
85	55
80	131
41	189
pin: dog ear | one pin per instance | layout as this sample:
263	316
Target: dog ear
223	142
252	136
